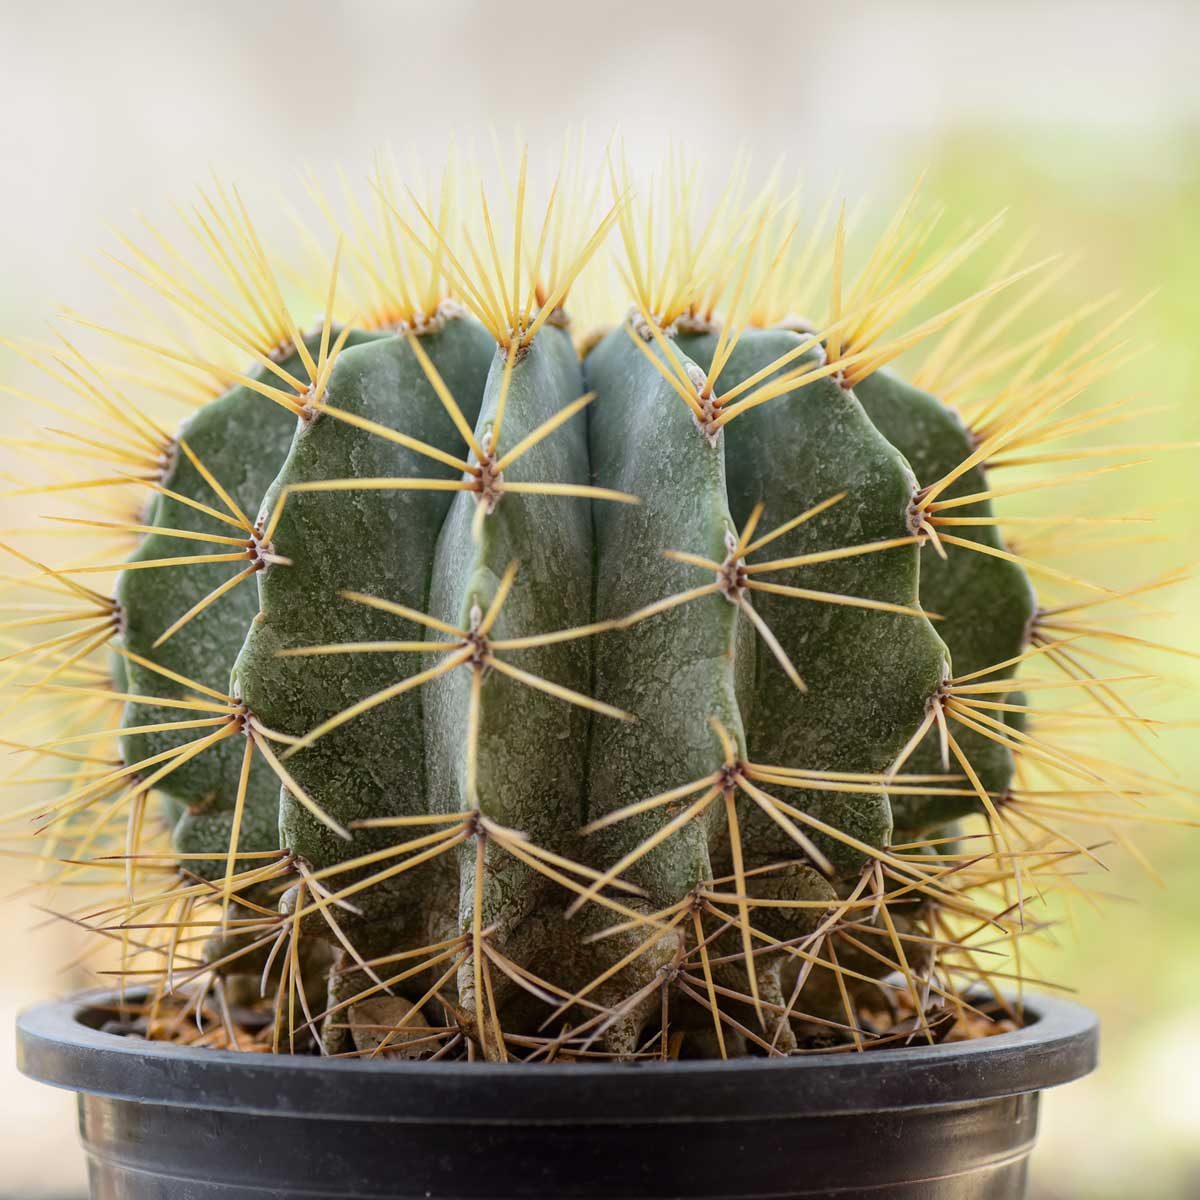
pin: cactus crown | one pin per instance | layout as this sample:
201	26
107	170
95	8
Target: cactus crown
474	684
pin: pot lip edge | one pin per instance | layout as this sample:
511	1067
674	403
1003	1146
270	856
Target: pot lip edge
55	1047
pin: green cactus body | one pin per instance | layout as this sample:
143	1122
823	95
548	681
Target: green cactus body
531	747
541	766
681	669
569	682
869	674
201	792
376	542
986	604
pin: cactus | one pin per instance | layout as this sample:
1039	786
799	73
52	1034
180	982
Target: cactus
484	686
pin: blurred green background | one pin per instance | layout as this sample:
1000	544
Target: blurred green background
1083	119
1129	205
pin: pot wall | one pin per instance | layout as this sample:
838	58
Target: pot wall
958	1152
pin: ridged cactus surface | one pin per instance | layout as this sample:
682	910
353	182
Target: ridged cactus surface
507	689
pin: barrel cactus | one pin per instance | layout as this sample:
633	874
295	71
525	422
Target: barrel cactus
482	685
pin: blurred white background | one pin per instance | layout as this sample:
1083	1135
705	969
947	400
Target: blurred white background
105	108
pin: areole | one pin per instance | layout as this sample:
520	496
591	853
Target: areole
955	1121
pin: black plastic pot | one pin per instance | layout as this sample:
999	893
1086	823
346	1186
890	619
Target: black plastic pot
161	1122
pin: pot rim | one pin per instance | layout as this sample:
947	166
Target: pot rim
55	1045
